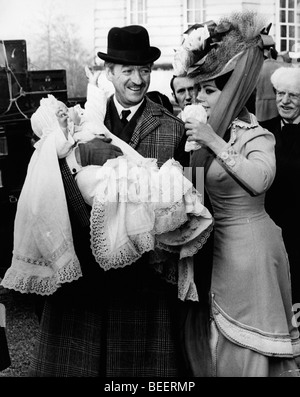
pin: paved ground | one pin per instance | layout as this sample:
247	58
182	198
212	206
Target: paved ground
21	329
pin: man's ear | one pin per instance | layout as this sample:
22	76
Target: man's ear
109	74
174	96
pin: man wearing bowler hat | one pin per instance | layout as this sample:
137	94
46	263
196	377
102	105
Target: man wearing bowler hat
148	128
122	322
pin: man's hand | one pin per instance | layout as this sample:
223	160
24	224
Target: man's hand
98	151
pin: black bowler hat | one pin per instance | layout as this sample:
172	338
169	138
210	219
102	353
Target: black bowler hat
129	46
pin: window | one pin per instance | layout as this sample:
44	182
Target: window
137	12
289	18
194	11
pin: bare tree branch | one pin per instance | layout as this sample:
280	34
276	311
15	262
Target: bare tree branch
57	46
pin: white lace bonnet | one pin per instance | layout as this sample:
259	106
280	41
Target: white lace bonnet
44	118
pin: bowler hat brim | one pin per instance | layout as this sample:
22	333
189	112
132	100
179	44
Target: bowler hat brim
131	57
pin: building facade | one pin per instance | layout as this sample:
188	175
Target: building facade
167	20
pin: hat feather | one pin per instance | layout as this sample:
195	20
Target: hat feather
229	37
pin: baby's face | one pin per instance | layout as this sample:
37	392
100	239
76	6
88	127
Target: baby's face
61	110
61	113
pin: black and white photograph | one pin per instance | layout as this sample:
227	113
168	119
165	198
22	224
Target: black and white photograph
149	199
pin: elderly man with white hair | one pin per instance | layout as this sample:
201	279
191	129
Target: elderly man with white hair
283	198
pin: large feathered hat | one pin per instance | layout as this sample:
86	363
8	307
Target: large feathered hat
210	49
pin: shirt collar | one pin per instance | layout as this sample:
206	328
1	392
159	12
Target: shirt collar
132	109
296	121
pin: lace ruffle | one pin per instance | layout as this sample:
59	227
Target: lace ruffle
192	247
180	273
170	218
110	256
38	276
148	210
174	237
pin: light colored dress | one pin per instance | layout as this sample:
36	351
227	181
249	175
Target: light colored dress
250	290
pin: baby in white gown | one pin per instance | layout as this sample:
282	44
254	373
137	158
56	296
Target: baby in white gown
136	206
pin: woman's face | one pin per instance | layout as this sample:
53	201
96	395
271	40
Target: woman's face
208	95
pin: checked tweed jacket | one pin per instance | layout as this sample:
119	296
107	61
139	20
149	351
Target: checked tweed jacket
158	134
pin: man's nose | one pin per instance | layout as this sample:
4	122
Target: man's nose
136	77
285	98
188	94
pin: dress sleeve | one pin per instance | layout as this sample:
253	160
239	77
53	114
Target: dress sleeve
251	158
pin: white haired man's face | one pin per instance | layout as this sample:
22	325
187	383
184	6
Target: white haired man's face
288	97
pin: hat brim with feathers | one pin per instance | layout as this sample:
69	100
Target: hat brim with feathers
228	40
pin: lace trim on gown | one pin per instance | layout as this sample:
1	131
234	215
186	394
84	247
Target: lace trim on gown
40	276
122	231
121	250
264	343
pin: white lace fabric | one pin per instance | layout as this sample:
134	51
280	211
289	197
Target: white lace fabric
43	255
138	208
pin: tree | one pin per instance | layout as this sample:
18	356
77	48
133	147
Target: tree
56	45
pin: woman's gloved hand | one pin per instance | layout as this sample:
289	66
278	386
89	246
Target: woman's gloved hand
98	151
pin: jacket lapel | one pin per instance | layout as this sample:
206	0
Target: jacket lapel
149	120
107	119
146	123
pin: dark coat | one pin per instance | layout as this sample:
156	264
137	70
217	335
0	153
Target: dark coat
283	197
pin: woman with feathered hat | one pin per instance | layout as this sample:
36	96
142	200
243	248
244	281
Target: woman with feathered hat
252	328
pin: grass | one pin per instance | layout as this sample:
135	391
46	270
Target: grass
21	330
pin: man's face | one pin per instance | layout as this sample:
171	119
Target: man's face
183	91
288	101
130	82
